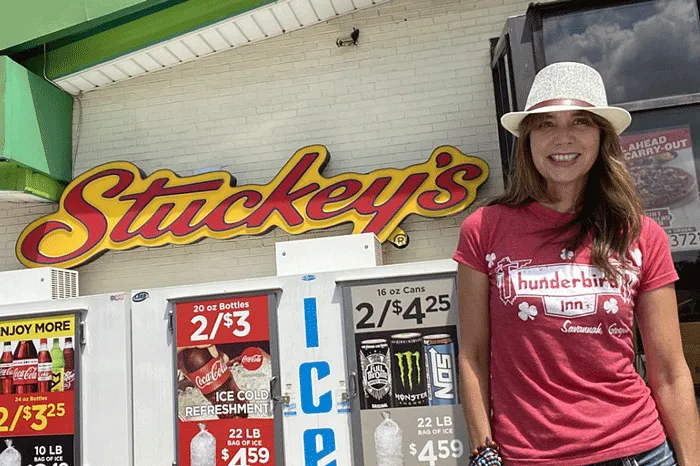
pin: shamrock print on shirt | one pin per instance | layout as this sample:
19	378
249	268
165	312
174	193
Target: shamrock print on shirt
566	254
490	258
610	306
527	311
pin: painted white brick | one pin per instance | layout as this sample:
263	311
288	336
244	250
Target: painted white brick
419	78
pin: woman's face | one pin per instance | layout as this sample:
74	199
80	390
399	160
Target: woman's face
564	147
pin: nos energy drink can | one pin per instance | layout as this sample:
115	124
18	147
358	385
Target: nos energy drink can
375	364
408	370
442	373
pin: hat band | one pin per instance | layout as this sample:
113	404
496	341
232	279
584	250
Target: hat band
553	102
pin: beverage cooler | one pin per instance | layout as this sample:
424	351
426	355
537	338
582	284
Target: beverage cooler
65	376
335	367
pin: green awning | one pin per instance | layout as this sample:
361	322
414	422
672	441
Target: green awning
36	121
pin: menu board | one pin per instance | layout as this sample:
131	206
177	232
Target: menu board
224	369
405	335
38	381
663	169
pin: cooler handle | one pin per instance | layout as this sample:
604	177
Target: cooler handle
276	399
354	385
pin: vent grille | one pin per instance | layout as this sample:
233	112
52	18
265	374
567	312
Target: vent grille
64	284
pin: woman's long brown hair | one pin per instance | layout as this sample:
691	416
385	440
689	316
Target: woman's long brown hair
609	210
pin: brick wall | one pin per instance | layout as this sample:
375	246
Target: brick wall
420	78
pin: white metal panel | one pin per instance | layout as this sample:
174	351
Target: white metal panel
113	72
97	77
232	34
197	45
146	61
250	28
304	11
214	39
284	14
326	254
37	284
81	83
163	56
267	22
154	378
105	376
343	6
68	87
130	67
324	9
180	50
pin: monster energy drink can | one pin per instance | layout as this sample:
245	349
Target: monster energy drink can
408	370
441	370
375	364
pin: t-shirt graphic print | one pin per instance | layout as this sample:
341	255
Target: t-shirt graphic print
564	390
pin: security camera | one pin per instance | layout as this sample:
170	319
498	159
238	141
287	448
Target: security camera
352	40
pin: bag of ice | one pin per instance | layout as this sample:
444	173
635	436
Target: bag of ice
202	448
387	442
10	456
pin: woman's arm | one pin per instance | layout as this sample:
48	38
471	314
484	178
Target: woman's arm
668	373
474	352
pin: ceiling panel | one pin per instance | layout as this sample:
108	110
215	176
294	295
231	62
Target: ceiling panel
215	39
268	21
233	34
285	15
324	9
304	11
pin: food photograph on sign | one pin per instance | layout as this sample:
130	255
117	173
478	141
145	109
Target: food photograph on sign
37	391
663	169
224	368
406	354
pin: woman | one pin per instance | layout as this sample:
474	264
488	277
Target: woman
550	275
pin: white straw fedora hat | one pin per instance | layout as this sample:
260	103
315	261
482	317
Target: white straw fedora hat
568	86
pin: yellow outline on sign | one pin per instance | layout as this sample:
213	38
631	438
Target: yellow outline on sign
116	207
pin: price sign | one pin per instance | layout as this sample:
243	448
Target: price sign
433	451
23	417
246	456
222	321
224	368
38	377
403	305
406	355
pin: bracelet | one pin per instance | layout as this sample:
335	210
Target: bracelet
486	454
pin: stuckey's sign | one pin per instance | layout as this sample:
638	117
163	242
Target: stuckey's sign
116	207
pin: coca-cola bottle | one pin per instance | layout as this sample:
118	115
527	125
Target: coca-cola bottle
45	372
69	365
25	368
208	371
6	369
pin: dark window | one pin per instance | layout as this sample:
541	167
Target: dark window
643	50
663	149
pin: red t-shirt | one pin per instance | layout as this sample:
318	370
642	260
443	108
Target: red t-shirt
564	390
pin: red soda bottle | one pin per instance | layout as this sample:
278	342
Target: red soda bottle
69	368
25	368
6	369
212	377
45	370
